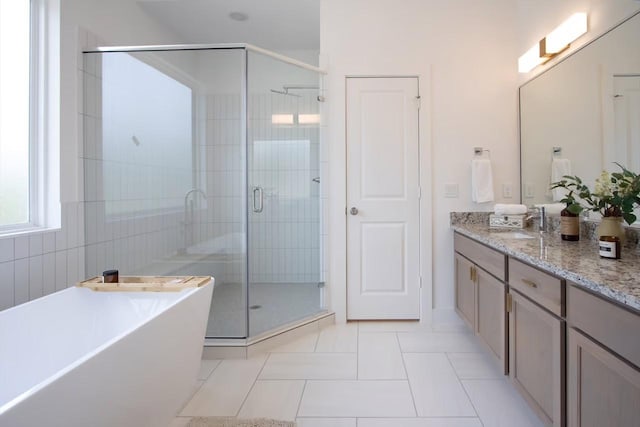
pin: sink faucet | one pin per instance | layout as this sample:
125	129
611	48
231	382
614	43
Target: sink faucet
541	216
188	216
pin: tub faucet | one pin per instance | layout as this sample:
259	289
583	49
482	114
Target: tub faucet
186	200
188	216
541	216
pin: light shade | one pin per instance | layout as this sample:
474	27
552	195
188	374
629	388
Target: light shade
530	60
560	38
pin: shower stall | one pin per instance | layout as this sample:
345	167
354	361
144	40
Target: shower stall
205	160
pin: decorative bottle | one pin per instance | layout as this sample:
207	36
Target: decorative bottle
569	225
609	247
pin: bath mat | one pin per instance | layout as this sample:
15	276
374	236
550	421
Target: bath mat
235	422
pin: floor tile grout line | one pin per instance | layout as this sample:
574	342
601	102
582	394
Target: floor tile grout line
304	387
446	355
406	372
253	385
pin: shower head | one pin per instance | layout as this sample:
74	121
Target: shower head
284	92
286	88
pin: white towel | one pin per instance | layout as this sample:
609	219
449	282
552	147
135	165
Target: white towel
481	181
509	209
559	168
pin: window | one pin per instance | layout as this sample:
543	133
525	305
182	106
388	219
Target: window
147	136
29	115
15	191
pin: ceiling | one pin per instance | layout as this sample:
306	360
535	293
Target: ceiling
271	24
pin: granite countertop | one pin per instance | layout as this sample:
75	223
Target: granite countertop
578	262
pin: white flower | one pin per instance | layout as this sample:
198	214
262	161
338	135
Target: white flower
603	185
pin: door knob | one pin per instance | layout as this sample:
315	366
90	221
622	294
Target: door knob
354	211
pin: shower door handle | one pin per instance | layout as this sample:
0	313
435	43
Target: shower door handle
258	191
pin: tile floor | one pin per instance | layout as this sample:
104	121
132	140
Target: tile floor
365	374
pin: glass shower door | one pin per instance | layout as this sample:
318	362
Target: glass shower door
283	148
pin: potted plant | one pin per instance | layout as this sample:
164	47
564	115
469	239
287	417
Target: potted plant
615	196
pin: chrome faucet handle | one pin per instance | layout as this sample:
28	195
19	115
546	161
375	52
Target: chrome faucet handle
543	219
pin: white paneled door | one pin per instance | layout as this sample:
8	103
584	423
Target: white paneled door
383	177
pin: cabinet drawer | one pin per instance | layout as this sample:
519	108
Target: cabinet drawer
546	290
485	257
613	326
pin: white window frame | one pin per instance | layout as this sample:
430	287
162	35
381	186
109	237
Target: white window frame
44	118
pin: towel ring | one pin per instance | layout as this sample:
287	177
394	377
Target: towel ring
477	151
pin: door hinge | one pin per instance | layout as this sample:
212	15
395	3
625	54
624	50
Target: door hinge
420	280
509	303
419	192
418	102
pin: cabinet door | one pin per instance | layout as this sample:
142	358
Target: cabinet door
536	357
603	390
465	290
490	314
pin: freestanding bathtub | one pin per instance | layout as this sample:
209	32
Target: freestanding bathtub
85	358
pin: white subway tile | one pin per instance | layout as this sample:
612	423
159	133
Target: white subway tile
7	250
89	137
72	225
72	267
99	137
81	264
91	261
81	224
6	285
61	235
35	244
90	186
21	247
99	180
35	277
80	128
48	242
48	273
21	281
61	270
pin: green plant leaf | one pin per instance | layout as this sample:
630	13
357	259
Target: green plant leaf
629	218
575	208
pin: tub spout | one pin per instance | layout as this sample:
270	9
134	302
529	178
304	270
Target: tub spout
188	217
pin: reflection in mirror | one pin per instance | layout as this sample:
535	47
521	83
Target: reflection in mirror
587	107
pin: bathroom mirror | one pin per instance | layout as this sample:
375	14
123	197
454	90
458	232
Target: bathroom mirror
585	109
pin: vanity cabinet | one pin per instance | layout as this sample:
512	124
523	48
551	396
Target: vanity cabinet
603	362
481	292
537	339
572	353
465	290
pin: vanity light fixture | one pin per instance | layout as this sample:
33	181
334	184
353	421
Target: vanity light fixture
555	42
282	119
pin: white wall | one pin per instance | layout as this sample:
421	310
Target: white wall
465	55
537	18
